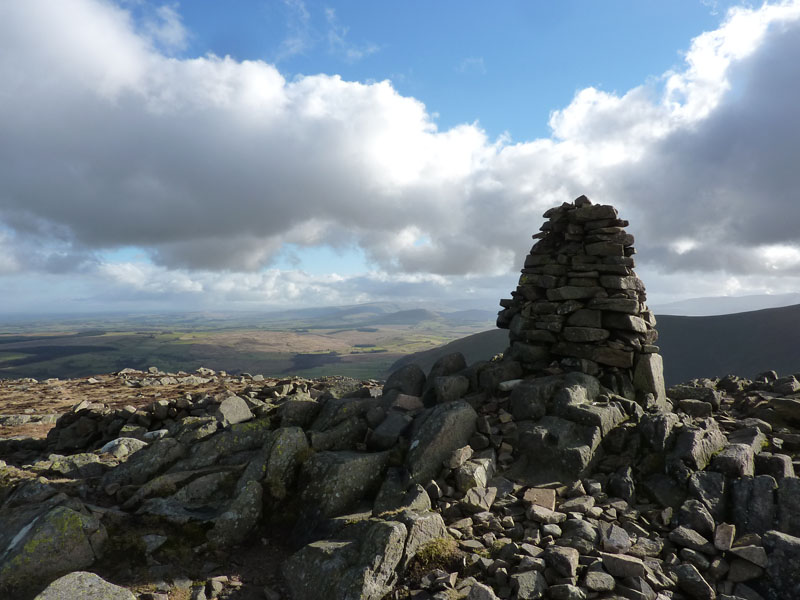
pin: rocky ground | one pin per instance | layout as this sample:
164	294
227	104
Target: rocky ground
474	482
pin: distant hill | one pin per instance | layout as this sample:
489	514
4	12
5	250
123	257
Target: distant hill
742	343
725	305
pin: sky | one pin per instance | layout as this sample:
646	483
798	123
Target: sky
265	154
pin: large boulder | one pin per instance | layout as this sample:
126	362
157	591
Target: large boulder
82	585
60	541
436	433
358	569
408	380
555	449
288	449
783	566
333	482
146	463
240	518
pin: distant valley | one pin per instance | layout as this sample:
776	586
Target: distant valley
360	341
364	341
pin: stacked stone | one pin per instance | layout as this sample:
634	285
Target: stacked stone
579	302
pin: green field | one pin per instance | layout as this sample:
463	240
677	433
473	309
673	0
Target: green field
360	344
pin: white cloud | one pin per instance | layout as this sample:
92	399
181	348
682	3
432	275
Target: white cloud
472	64
339	44
165	28
211	164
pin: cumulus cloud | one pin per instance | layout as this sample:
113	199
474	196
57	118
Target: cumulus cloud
212	165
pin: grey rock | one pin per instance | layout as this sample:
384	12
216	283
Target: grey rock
563	560
658	429
689	538
391	428
743	570
82	585
474	473
622	565
450	387
616	540
696	446
787	408
778	466
555	449
409	380
789	506
529	585
348	570
694	515
736	460
783	567
240	518
239	437
123	447
529	399
598	581
479	499
443	429
566	591
344	435
696	408
754	554
711	489
543	515
233	410
146	463
458	457
300	410
724	535
479	591
332	482
423	527
648	376
752	503
286	449
60	541
692	583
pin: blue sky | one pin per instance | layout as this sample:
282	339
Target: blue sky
506	65
262	154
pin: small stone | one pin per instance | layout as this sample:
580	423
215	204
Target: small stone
724	536
599	581
736	460
459	457
755	554
622	565
479	499
563	560
689	538
743	570
530	585
616	540
543	497
541	514
565	591
480	591
691	582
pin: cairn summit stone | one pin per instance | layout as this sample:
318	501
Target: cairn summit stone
579	288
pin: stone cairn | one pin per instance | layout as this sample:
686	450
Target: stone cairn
580	303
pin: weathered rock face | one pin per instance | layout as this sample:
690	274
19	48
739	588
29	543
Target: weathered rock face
86	586
580	303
